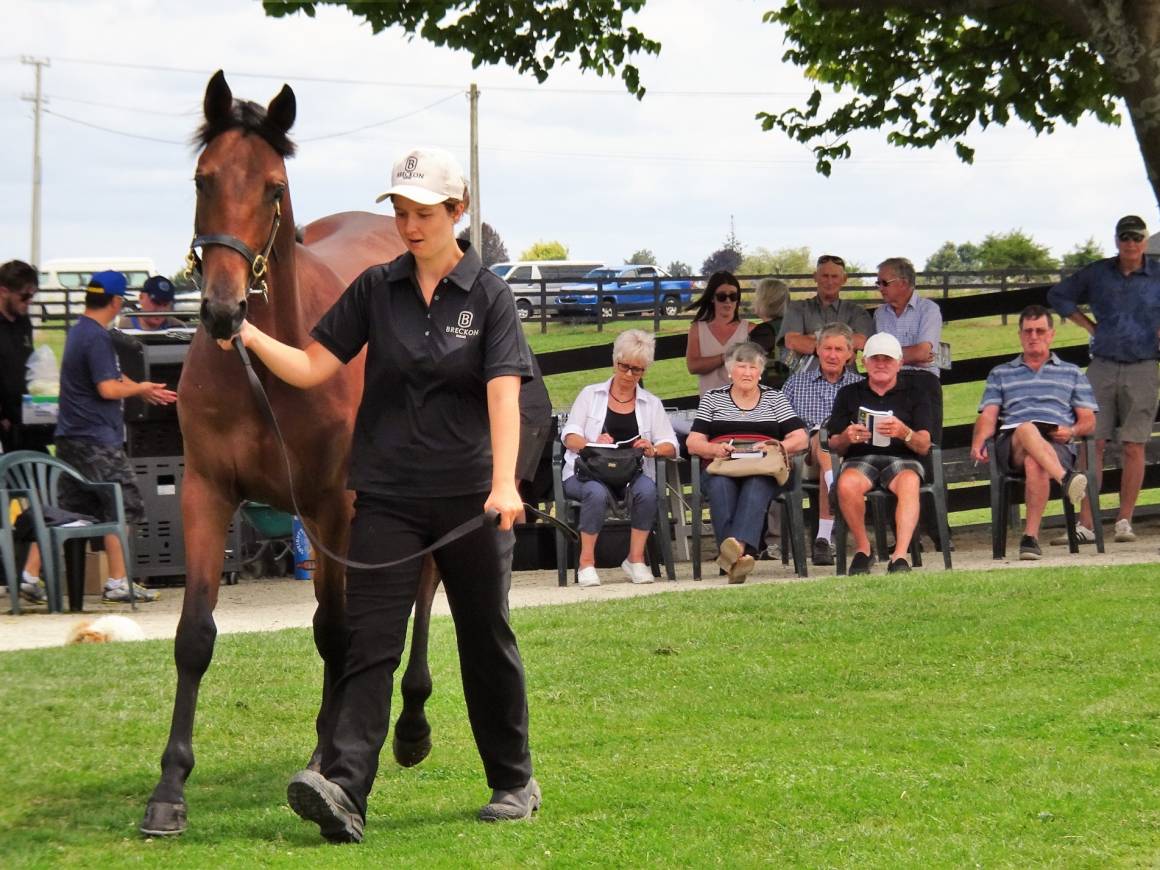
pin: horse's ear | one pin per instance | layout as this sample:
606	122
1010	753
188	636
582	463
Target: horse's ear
282	110
218	98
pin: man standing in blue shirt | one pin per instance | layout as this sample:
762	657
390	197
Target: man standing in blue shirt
1123	293
1039	405
90	428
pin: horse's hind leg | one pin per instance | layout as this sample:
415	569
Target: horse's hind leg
330	637
412	741
205	515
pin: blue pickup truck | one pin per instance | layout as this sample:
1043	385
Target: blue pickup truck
608	292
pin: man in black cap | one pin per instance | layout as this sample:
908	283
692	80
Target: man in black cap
156	296
1123	294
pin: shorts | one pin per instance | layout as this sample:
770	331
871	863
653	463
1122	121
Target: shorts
532	441
882	469
1003	453
1126	393
98	463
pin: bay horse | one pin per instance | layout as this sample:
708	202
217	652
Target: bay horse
252	266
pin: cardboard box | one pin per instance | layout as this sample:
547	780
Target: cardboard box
96	573
39	410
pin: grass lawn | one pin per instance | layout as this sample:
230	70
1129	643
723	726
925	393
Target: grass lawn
1008	718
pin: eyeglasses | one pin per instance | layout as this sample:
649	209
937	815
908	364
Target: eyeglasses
1131	237
728	297
637	371
830	258
882	283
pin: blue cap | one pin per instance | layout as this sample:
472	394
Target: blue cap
159	289
110	282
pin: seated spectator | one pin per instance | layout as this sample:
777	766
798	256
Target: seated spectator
745	408
812	393
155	298
717	326
618	411
805	318
903	417
769	301
1039	404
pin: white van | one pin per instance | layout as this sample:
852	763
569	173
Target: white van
63	282
535	280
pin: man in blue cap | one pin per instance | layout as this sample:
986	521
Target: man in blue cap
156	296
90	428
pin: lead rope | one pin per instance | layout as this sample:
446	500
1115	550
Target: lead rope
488	518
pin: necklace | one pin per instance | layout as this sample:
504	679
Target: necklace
622	401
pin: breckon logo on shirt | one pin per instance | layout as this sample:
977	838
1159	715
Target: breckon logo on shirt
463	328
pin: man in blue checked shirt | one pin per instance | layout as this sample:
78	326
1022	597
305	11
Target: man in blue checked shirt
812	393
1039	405
1123	293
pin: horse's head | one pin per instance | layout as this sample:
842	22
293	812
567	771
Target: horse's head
241	185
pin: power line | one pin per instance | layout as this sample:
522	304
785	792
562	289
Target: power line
111	130
136	109
383	123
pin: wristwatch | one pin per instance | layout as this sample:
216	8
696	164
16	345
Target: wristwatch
909	435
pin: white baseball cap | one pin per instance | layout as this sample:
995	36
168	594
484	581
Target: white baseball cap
882	344
428	176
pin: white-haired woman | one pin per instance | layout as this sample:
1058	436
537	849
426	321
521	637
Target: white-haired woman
744	408
618	411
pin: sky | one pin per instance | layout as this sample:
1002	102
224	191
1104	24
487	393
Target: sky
576	159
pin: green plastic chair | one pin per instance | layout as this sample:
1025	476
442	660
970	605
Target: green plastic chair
38	476
8	492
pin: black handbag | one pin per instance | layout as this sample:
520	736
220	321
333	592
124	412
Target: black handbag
615	467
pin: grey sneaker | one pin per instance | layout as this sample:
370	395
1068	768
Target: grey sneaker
1124	533
33	590
512	804
118	591
1029	549
1082	533
316	799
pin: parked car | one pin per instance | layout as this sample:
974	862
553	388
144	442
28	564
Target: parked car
536	281
625	289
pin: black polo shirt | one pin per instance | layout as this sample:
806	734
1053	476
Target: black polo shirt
908	402
15	349
422	426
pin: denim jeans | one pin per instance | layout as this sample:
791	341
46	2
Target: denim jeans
737	505
594	501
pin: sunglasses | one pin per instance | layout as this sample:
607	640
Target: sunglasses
882	283
830	258
728	297
630	370
1131	237
25	295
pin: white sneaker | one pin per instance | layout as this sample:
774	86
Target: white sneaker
1082	533
1124	533
638	572
587	576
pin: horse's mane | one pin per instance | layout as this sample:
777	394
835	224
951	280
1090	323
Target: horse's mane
249	117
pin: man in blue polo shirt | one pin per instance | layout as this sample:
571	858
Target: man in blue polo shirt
1039	405
1123	293
90	428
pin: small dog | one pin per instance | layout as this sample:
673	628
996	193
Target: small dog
105	629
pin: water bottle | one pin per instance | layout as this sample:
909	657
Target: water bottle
303	551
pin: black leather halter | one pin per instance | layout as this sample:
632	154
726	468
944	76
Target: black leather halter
258	262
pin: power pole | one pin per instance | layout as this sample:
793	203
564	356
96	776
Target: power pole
37	101
476	226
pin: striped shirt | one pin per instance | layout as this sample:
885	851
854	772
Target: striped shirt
920	320
772	416
812	396
1049	395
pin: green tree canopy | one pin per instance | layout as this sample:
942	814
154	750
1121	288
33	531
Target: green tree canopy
541	250
1082	254
1014	250
928	71
643	257
953	258
679	269
528	35
783	261
493	249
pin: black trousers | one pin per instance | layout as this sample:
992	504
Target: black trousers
476	574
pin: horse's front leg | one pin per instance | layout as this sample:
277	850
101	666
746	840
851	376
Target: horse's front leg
412	741
205	514
332	527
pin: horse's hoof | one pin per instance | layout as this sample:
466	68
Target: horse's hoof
410	752
163	819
